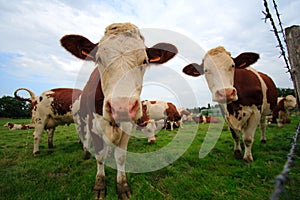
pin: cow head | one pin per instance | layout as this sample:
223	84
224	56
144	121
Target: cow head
290	102
218	67
121	57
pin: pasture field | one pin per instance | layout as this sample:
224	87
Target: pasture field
61	173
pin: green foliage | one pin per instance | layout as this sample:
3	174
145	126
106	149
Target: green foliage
61	173
283	92
10	107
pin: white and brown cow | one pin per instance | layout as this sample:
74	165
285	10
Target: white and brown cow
158	110
110	102
13	126
245	95
206	119
282	110
48	110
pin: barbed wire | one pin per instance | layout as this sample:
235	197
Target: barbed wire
282	178
276	32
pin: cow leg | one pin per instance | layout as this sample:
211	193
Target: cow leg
237	146
171	125
263	129
100	187
123	189
50	132
248	136
37	135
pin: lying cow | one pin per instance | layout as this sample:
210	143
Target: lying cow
12	126
282	110
245	95
48	110
110	103
206	119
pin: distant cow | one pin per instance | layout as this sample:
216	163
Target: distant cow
158	110
281	111
12	126
206	119
110	102
245	95
48	110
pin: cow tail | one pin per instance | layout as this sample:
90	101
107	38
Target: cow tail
32	95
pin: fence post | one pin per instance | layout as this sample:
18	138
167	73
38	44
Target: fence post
293	46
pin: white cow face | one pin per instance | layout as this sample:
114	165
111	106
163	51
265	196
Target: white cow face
219	74
121	60
121	57
290	102
218	67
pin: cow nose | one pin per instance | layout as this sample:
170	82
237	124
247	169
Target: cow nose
122	109
226	95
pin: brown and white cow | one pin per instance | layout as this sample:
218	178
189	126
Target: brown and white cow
158	110
48	110
245	95
282	110
110	102
206	119
13	126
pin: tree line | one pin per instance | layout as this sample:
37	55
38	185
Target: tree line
10	107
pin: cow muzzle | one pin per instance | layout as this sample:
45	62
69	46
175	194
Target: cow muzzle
123	109
226	95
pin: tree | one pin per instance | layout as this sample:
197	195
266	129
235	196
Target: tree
11	107
283	92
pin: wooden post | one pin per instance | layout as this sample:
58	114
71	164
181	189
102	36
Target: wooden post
293	46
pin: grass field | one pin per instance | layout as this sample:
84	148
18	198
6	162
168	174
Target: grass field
61	173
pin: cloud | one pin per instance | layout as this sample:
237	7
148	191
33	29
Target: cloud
30	53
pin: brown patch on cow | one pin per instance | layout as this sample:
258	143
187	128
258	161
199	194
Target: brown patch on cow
172	113
143	121
248	88
62	99
271	90
92	95
152	102
279	107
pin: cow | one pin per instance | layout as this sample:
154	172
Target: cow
13	126
281	111
206	119
110	105
49	110
245	95
158	110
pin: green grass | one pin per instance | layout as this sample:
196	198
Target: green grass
61	173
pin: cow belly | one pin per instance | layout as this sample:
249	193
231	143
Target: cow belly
59	120
239	119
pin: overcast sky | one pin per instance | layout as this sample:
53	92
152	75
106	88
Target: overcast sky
31	55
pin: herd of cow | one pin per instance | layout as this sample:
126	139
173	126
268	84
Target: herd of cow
109	106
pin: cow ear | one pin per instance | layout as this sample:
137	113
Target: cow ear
161	53
245	59
194	69
79	46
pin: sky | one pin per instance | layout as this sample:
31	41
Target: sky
31	55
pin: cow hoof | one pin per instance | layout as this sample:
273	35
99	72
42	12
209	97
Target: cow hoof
123	191
248	159
99	188
238	155
263	141
36	153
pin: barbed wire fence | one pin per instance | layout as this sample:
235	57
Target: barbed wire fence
282	178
